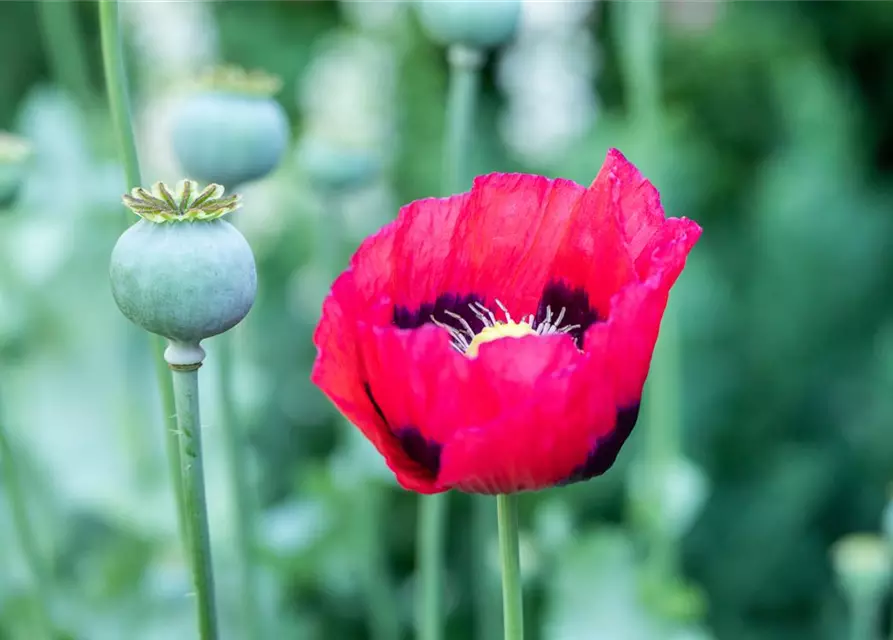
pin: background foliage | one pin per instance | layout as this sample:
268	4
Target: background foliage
775	136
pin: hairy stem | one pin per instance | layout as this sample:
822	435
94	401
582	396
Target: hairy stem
189	425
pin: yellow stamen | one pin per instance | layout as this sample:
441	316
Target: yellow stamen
499	330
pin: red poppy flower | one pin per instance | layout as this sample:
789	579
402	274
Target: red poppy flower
498	340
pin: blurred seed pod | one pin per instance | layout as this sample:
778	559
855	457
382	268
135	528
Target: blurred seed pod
862	564
14	155
482	24
333	167
230	130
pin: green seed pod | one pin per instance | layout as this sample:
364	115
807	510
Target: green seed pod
14	154
333	167
182	272
231	131
862	562
481	24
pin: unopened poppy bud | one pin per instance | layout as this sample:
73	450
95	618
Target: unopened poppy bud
14	154
481	24
182	272
862	564
231	130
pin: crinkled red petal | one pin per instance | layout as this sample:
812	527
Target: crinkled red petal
637	205
508	236
342	375
421	260
637	310
551	404
522	415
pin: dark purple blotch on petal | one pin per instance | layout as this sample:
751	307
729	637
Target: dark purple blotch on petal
424	452
604	453
577	309
406	318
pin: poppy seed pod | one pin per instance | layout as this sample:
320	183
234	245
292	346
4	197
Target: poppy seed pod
862	564
181	272
14	154
480	24
231	131
335	167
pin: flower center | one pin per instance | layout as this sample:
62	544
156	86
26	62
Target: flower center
508	329
467	342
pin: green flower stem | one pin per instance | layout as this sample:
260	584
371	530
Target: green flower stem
465	66
26	534
116	87
380	600
185	378
662	445
236	452
485	583
62	41
119	105
237	460
431	542
864	618
465	79
638	27
512	599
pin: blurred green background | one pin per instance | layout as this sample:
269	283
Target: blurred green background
766	435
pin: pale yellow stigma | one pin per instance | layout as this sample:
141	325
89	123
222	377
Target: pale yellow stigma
508	329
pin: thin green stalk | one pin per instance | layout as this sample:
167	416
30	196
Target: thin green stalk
465	66
242	501
512	599
119	106
864	618
185	380
27	536
662	446
638	27
116	87
431	542
62	41
380	600
485	583
465	79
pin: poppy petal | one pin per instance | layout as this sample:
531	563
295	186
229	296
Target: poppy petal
508	235
421	256
636	313
592	263
339	371
550	403
638	206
